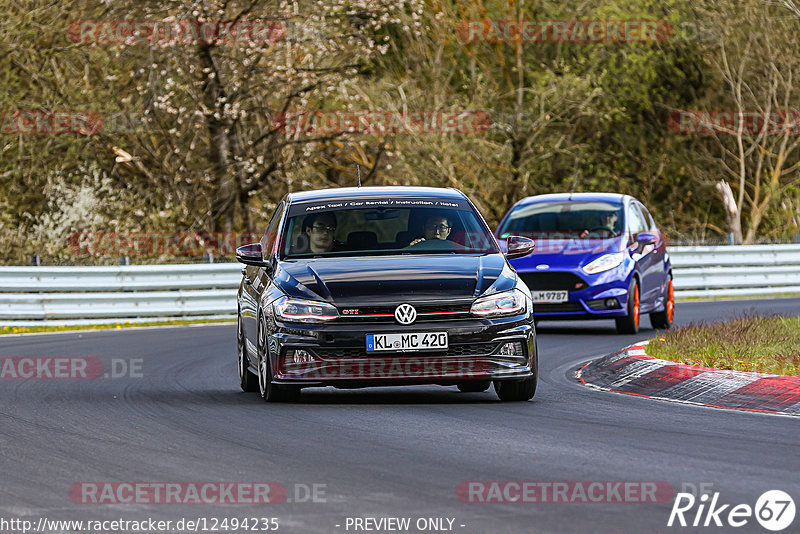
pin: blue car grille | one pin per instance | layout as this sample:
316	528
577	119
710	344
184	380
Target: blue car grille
553	281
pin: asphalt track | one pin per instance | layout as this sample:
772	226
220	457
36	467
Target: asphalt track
397	452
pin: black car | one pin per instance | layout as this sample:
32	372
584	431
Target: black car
378	286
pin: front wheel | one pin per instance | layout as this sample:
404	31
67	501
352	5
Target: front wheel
270	391
247	380
663	319
630	323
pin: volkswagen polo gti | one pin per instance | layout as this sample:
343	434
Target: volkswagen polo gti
381	286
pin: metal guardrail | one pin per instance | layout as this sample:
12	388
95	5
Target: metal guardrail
732	271
81	295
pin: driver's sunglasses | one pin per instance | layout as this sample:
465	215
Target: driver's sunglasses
438	227
324	228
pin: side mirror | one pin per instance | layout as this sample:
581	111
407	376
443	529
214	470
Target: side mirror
645	238
251	255
517	246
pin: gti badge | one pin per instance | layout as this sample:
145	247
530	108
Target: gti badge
405	314
542	267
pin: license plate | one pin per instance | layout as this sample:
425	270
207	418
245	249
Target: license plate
410	341
547	297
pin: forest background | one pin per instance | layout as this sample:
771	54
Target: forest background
194	136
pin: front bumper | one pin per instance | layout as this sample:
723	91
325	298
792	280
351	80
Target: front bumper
336	355
589	302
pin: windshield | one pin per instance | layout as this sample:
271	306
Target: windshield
331	229
564	220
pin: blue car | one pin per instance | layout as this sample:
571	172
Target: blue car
597	256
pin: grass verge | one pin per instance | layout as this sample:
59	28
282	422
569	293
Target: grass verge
107	326
764	344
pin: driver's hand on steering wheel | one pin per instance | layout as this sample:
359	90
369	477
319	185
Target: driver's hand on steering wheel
583	234
419	239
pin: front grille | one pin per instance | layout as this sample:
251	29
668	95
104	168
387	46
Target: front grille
473	349
553	281
558	308
385	314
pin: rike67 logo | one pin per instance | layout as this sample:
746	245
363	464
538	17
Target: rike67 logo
774	510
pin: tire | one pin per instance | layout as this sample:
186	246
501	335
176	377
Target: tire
475	386
662	320
270	391
630	323
519	390
247	380
516	391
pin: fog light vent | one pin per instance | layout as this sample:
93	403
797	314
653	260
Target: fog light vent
610	303
513	348
298	356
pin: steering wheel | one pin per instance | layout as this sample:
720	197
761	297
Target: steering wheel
602	229
442	245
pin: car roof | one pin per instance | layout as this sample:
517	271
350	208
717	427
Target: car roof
377	191
615	198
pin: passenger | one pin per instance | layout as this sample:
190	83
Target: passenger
610	221
436	227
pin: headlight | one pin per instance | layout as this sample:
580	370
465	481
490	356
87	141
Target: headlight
604	263
304	311
505	303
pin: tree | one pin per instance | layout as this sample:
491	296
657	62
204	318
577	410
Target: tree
751	122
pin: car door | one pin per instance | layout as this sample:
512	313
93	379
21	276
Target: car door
643	256
659	254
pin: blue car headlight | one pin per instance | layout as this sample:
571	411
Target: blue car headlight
304	311
500	304
604	263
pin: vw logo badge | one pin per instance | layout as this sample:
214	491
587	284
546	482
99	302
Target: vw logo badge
405	314
542	267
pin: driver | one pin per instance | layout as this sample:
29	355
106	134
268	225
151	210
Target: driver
436	227
320	229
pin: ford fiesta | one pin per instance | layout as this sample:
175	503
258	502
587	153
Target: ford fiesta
379	286
598	256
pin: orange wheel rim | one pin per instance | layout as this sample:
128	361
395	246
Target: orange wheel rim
670	302
636	305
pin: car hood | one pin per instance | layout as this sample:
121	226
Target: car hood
394	279
567	252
